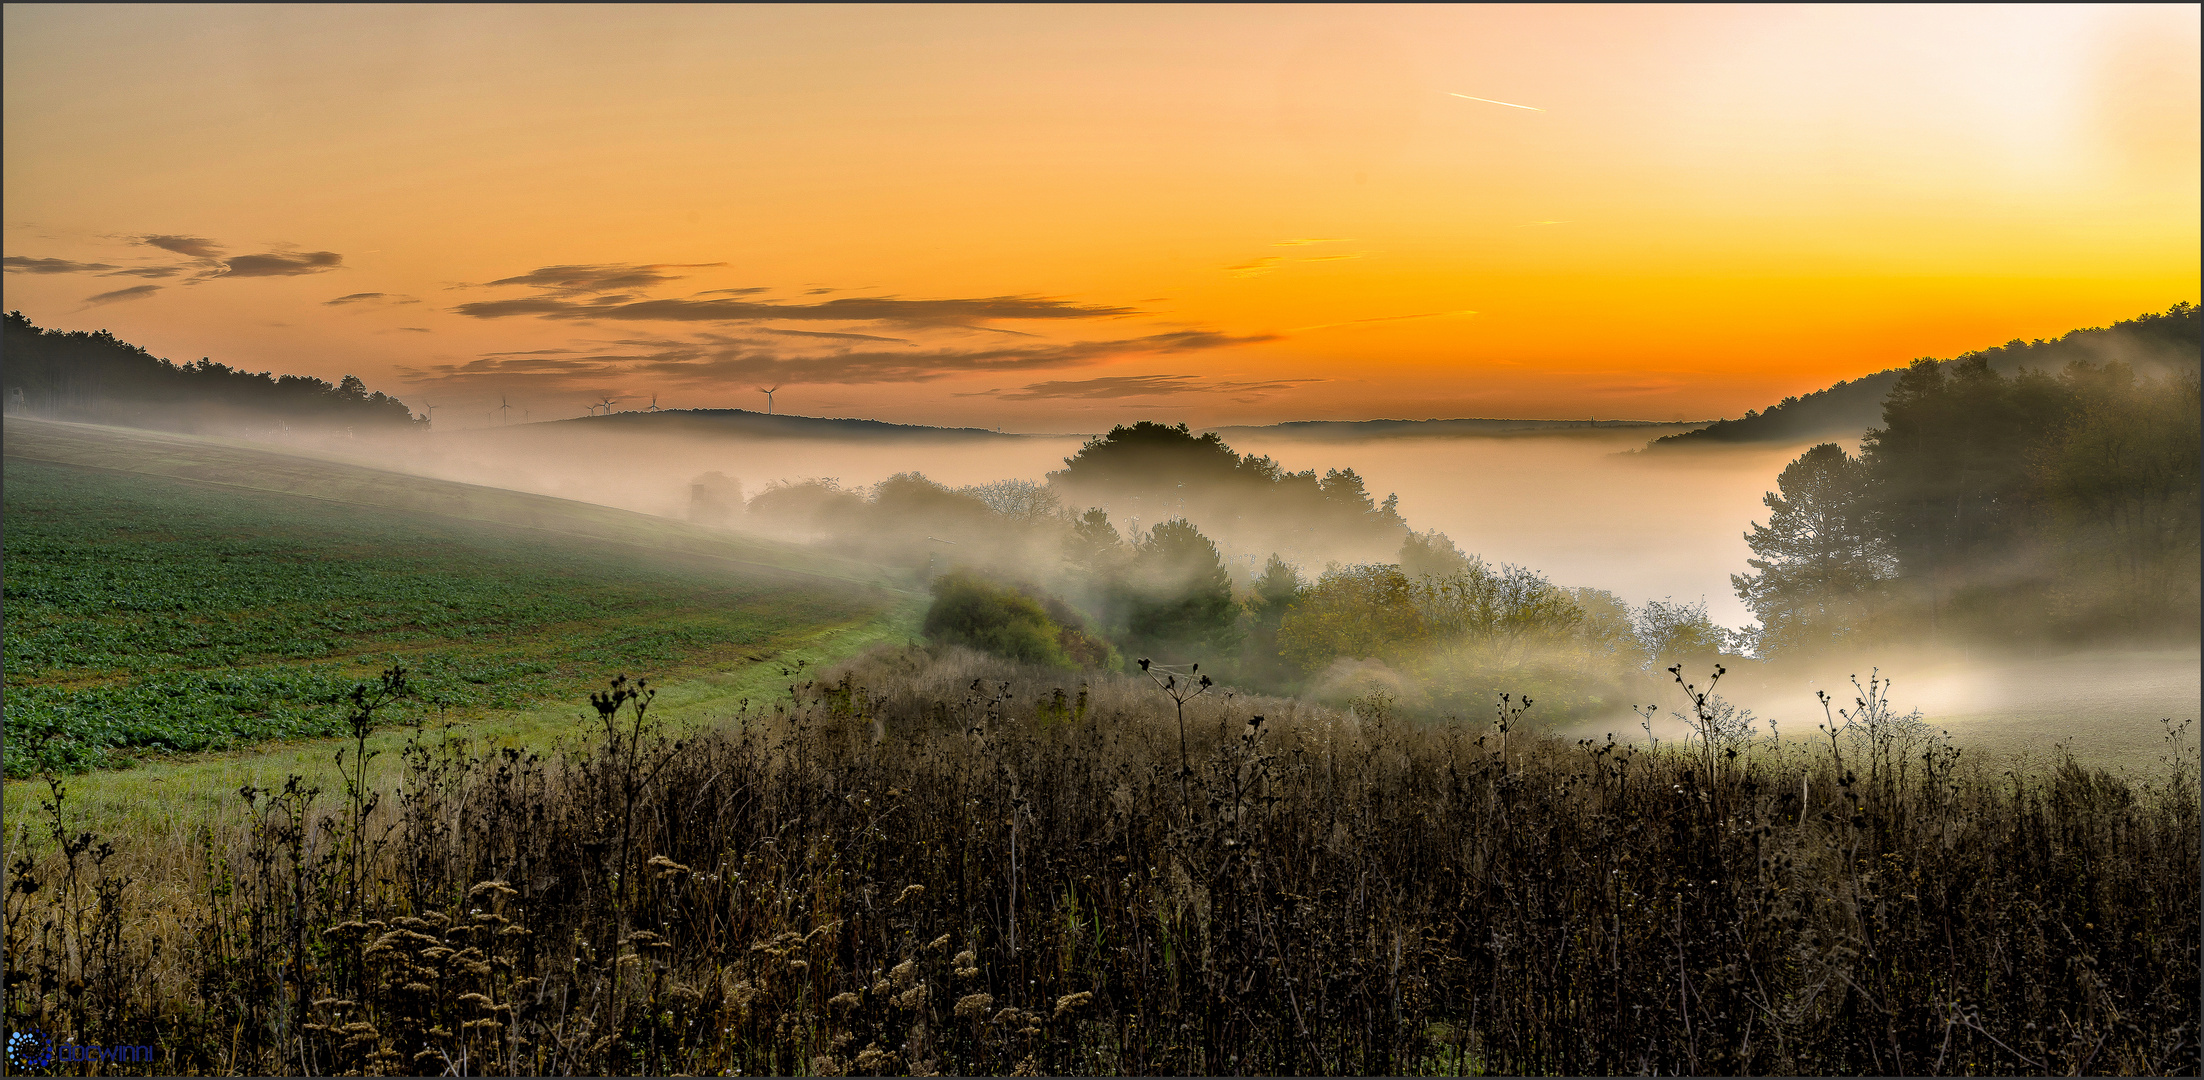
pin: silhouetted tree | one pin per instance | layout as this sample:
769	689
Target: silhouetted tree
1949	470
1818	559
2121	483
1178	598
1271	596
1431	554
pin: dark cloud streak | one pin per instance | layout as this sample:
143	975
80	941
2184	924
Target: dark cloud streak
1133	386
20	264
370	298
704	364
278	264
135	292
198	247
583	279
936	313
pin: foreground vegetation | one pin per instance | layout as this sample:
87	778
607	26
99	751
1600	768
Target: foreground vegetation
937	861
149	616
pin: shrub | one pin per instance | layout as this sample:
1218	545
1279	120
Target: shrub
1012	621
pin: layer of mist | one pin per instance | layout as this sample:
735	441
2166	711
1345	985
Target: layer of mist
1572	505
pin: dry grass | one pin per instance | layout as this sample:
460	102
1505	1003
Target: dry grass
931	861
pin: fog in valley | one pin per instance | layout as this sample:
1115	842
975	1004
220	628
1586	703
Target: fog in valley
1579	508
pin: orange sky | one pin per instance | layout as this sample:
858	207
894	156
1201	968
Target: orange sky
1056	218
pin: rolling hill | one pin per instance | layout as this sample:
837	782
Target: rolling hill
2152	343
167	594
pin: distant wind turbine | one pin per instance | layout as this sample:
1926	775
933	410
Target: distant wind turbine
768	399
504	410
432	412
653	404
608	403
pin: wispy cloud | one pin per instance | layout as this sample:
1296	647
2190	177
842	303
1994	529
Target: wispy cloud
277	264
711	363
198	247
377	298
1264	265
19	264
582	279
1145	386
146	271
835	336
1381	319
135	292
1313	240
936	313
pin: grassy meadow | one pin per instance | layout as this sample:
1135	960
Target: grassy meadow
169	596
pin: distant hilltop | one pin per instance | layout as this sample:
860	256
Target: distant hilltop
741	422
1379	429
744	422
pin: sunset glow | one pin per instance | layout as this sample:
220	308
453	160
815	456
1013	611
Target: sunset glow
1051	219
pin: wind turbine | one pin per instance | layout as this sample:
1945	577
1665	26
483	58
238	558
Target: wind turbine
653	404
608	403
504	410
432	412
768	399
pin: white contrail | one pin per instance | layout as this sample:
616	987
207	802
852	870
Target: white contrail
1489	101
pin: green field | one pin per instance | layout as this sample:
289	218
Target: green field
167	596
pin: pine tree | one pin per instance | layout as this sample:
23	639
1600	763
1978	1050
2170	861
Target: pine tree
1818	558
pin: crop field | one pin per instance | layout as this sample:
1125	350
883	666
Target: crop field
150	614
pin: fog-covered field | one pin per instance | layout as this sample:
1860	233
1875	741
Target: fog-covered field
1574	505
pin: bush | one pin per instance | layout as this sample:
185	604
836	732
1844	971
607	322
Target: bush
1014	622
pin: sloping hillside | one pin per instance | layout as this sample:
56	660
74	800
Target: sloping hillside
2151	343
170	594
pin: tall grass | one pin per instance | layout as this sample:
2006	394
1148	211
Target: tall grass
930	861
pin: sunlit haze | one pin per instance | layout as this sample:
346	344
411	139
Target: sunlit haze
1051	219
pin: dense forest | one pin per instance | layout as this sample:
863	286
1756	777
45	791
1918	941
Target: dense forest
94	376
2153	343
2013	510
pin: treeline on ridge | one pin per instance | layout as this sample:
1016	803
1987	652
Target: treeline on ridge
2148	342
95	377
2013	510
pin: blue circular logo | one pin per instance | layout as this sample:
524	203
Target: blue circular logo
30	1049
